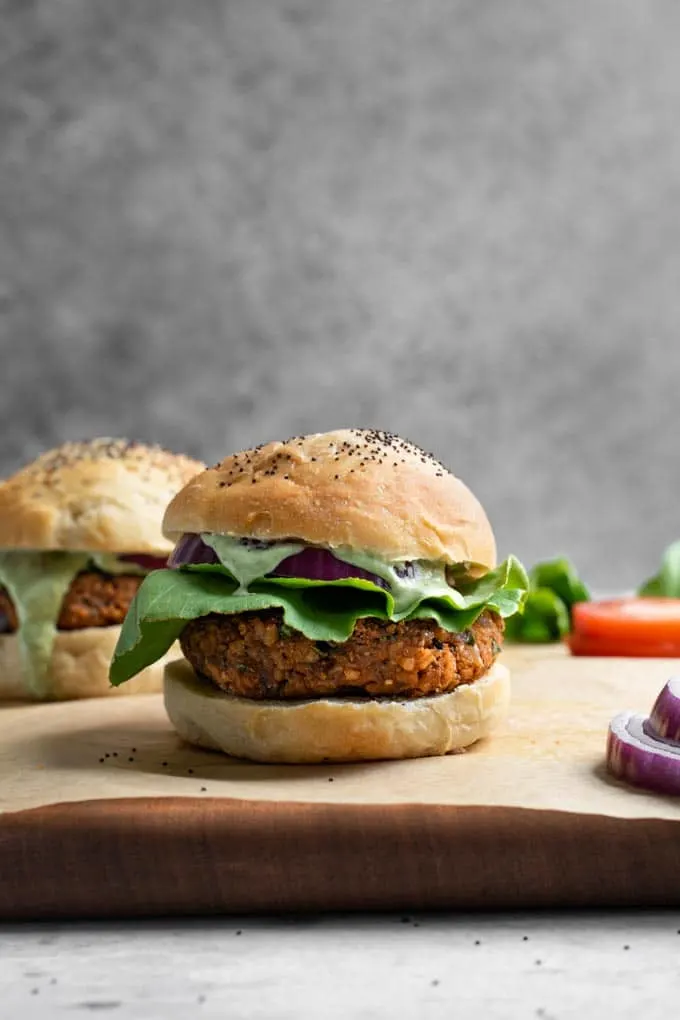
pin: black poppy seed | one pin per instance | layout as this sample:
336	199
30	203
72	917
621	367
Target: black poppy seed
204	789
190	771
164	764
115	754
101	760
131	759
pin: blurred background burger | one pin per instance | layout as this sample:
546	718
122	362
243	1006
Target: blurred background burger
79	530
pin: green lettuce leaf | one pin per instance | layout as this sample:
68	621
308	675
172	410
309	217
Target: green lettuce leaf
554	588
560	577
544	618
667	580
323	611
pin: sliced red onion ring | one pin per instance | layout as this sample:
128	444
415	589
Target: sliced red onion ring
664	719
191	549
312	564
640	758
646	751
144	560
321	565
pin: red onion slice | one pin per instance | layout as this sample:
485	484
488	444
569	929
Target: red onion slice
664	719
310	564
321	565
191	549
638	757
144	560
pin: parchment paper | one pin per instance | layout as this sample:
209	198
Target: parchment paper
548	756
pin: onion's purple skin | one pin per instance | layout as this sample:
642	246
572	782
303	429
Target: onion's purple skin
191	549
321	565
640	758
664	719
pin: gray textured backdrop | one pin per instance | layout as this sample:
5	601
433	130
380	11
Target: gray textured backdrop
226	221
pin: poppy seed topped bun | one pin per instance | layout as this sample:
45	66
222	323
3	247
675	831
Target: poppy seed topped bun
354	489
105	495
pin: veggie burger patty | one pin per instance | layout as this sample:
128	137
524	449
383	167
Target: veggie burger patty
254	655
94	599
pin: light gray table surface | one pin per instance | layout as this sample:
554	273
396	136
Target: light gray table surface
551	966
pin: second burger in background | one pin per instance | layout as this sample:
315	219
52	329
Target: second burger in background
336	597
80	528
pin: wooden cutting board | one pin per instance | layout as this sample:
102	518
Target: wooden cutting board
103	811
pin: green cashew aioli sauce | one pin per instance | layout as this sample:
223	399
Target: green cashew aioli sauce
37	583
248	562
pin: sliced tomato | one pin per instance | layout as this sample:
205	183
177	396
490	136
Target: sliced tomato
631	627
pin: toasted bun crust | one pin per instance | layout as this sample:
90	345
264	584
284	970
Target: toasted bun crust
357	489
79	667
106	494
333	729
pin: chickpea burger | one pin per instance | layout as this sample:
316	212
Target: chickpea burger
80	528
336	598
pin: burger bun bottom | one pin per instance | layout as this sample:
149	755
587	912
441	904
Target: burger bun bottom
333	730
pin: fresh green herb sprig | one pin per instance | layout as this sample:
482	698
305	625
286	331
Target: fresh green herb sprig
554	587
667	580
